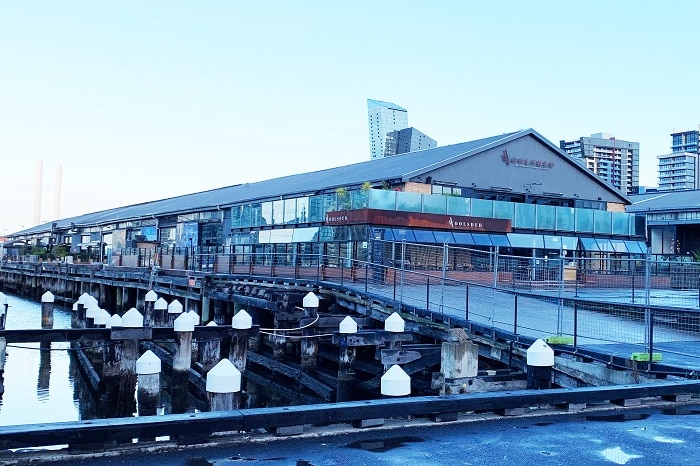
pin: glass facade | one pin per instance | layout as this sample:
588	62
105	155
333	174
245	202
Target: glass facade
558	226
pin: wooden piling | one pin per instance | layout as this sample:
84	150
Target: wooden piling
47	300
148	394
182	356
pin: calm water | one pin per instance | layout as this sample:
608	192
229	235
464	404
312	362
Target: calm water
40	386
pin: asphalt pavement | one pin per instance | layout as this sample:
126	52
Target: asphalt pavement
635	436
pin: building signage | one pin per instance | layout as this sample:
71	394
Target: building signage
417	219
525	162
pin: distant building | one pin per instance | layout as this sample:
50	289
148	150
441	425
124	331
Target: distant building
407	140
614	160
389	133
685	141
681	168
678	170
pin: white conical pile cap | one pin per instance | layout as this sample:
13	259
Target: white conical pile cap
91	309
114	321
310	300
148	363
83	298
394	323
212	324
224	378
175	307
540	354
160	304
3	298
101	317
395	382
132	318
348	325
91	299
184	323
242	320
195	317
47	297
151	296
75	306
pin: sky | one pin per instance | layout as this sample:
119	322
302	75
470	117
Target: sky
135	101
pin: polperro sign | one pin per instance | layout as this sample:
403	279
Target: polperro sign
525	162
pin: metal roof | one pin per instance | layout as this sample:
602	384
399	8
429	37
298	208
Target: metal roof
665	201
399	168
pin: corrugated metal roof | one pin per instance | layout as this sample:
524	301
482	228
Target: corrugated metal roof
663	201
400	167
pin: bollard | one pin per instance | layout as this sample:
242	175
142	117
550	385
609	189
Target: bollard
242	322
47	300
182	357
346	361
395	382
160	313
174	311
149	300
540	361
223	386
148	376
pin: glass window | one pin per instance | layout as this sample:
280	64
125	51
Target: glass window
605	245
384	199
584	220
482	208
408	202
435	204
360	198
382	233
290	211
553	242
318	207
281	236
403	234
642	246
521	240
524	216
237	217
546	217
602	222
463	238
502	209
266	213
442	237
458	206
305	235
620	223
619	245
278	212
264	236
566	219
481	239
302	210
424	236
589	244
499	240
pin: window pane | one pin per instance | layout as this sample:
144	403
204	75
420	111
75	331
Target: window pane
482	208
566	219
424	236
463	238
384	199
403	234
502	209
442	237
524	216
435	204
620	223
589	244
584	220
521	240
458	206
602	222
500	241
481	239
408	202
546	217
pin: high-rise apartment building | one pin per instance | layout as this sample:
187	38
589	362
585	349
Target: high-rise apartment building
407	140
614	160
384	117
389	133
681	168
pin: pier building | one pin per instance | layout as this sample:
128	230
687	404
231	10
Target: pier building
514	192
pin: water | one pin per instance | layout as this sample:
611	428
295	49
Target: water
40	386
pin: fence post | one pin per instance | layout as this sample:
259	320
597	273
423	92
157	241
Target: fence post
466	302
427	294
515	315
575	323
403	266
651	339
647	287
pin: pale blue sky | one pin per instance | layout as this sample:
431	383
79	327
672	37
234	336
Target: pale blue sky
142	100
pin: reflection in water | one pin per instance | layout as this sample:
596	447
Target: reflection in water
39	378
